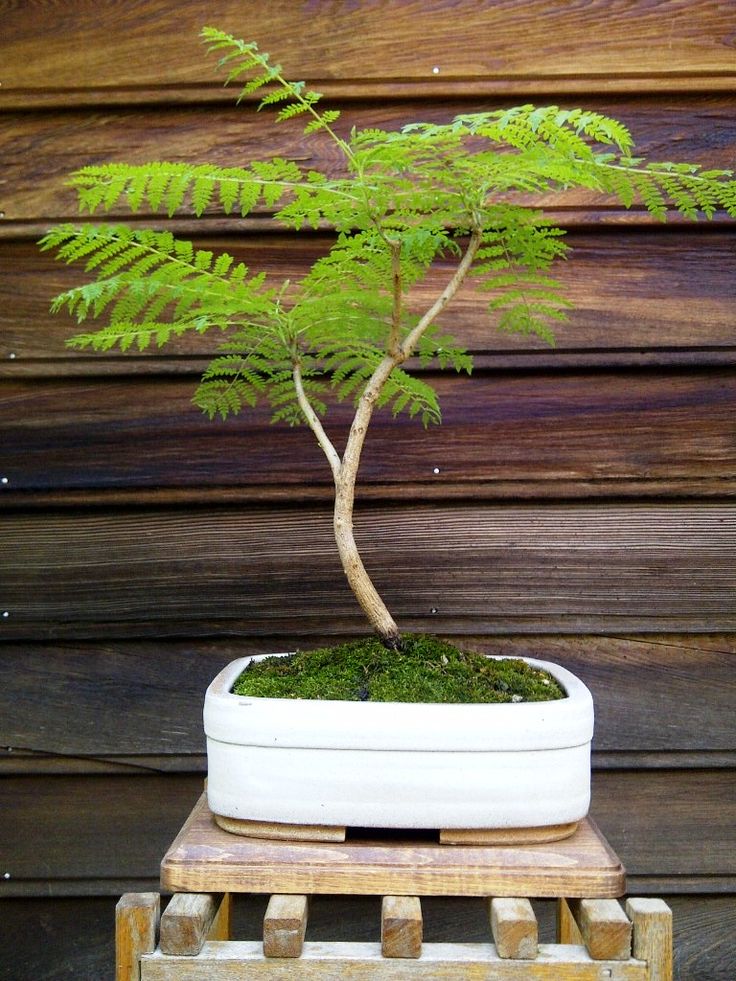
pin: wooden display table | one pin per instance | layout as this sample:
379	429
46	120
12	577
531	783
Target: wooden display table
206	865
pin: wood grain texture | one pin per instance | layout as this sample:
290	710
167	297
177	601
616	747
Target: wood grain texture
653	695
110	45
641	296
136	922
604	928
528	432
652	939
401	926
105	548
58	829
60	922
514	928
187	921
42	148
364	962
582	865
284	926
555	568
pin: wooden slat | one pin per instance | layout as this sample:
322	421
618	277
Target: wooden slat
110	45
401	926
41	149
61	922
187	921
568	931
221	926
364	962
531	569
604	928
655	697
136	921
526	431
652	941
284	926
678	305
514	928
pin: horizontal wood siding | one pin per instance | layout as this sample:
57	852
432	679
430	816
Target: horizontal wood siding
658	697
577	503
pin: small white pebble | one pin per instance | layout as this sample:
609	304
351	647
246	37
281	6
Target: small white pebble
6	875
517	698
6	614
434	610
4	480
12	357
435	469
436	70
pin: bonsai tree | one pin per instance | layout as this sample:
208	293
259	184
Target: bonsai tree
350	325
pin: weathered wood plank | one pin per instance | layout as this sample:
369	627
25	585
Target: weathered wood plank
284	926
588	429
401	926
136	921
653	695
604	928
187	921
338	42
678	304
62	921
514	928
531	569
369	864
41	149
652	941
364	962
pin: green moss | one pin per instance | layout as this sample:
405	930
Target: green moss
425	670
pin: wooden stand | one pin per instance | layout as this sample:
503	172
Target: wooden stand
205	866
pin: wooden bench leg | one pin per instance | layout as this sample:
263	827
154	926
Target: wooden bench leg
652	921
136	925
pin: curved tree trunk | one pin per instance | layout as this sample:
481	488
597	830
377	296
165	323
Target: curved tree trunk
360	582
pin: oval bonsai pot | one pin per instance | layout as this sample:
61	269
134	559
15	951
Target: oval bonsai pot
399	765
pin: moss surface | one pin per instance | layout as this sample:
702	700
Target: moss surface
425	670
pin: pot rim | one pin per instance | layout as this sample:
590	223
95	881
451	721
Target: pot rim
407	726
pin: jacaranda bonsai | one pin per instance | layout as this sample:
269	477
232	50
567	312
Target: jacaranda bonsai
348	328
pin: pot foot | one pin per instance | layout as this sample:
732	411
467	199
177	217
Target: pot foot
280	832
507	836
447	836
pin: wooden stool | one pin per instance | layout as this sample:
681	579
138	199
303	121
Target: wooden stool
205	866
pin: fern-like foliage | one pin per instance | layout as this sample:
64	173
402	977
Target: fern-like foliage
405	199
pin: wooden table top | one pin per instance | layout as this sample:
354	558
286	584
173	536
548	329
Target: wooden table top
204	858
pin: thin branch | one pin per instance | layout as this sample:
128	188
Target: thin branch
410	344
333	458
395	334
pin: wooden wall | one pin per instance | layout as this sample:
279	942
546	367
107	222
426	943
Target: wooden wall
585	505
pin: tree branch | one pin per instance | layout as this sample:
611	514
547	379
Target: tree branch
410	344
333	458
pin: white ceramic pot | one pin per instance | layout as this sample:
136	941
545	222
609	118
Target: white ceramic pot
399	765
